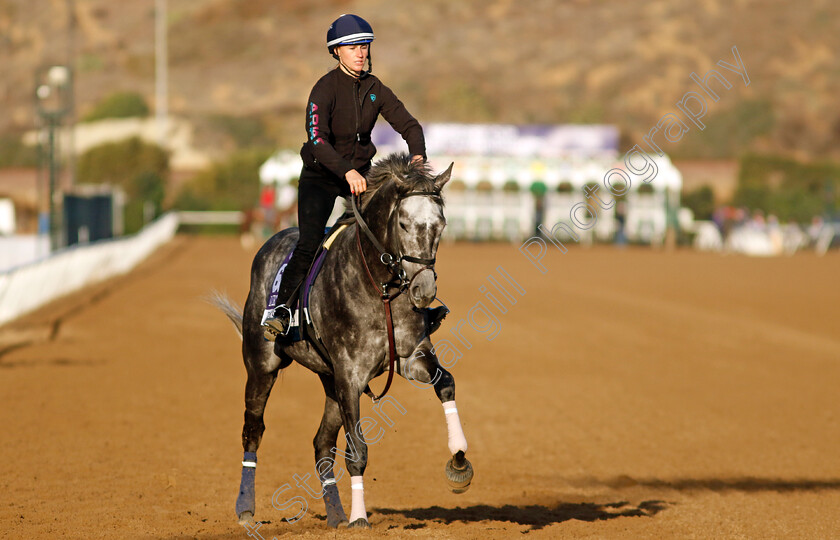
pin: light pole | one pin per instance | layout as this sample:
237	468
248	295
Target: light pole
161	74
53	101
71	61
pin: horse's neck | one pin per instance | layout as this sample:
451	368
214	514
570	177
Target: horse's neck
377	217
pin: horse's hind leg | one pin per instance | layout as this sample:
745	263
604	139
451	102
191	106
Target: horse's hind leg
324	442
262	372
423	369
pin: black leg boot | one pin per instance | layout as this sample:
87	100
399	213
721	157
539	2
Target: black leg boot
434	317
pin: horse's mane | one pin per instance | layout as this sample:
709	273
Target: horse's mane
380	179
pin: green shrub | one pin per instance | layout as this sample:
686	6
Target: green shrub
139	168
790	189
795	205
230	185
119	105
122	163
13	153
246	131
701	201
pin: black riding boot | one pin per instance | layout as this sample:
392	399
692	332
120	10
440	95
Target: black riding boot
276	325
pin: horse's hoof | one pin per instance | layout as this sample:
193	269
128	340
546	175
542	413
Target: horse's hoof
246	518
338	524
360	523
459	473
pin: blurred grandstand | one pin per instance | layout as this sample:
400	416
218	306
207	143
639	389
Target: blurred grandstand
509	179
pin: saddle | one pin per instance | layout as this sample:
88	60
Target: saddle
301	322
301	325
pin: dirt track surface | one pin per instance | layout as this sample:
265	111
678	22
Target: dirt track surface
628	394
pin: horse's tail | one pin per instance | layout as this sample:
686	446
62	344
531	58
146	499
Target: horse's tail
226	305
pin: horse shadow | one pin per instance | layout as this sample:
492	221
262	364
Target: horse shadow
744	484
534	516
538	516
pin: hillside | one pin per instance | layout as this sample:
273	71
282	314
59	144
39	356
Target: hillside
541	61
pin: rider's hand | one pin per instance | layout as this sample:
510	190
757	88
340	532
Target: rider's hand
417	159
357	182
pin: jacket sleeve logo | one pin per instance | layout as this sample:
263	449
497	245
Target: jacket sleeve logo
314	132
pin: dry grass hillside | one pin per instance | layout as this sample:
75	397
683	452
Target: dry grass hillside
542	61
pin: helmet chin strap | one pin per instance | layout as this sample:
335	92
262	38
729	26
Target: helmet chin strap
348	70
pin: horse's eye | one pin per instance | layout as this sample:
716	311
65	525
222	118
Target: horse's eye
403	227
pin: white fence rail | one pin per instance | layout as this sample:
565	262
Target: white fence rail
28	287
21	249
210	218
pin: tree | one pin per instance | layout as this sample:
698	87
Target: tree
701	201
119	105
790	189
139	168
233	184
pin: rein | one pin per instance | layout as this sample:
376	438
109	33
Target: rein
393	264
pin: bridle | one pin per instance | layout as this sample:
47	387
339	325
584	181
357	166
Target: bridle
393	263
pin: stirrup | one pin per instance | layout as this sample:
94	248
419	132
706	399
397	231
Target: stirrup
277	322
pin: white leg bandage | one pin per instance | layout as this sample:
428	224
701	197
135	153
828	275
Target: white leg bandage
357	507
457	441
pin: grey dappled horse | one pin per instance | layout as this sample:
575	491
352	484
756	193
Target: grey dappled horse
403	209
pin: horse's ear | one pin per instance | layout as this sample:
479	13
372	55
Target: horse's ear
444	177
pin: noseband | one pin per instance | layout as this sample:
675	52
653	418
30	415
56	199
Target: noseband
393	264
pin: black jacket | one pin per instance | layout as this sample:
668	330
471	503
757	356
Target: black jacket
340	116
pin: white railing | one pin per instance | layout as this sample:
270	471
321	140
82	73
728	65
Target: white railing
22	249
30	286
210	218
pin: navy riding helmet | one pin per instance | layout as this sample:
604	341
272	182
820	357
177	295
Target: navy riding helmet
348	30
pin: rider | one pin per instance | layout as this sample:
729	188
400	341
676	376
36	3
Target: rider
342	109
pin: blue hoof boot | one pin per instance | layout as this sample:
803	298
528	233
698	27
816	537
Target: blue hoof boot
245	500
335	512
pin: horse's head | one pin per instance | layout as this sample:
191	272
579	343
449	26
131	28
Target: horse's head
403	208
417	224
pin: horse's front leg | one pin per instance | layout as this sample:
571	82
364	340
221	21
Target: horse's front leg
423	369
324	443
348	391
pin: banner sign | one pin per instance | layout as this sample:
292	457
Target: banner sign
533	141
